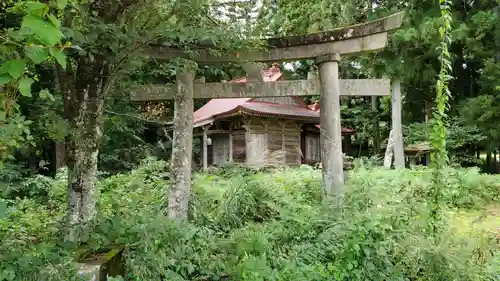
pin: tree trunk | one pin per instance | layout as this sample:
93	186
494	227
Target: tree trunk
389	151
428	112
494	161
84	100
488	161
60	155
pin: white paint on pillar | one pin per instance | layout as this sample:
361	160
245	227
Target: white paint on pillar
330	134
399	157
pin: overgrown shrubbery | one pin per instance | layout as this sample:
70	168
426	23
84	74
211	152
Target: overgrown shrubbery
248	225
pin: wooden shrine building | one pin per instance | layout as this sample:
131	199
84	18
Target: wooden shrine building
263	131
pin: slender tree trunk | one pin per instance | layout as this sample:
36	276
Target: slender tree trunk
428	111
494	161
389	151
488	161
84	100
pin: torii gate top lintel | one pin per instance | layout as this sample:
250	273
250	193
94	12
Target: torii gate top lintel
385	24
350	40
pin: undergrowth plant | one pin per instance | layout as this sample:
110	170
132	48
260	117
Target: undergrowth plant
264	225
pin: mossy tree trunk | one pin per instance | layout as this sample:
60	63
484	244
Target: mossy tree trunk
84	93
84	84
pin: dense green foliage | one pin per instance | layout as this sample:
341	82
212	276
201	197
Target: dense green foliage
247	225
470	32
36	40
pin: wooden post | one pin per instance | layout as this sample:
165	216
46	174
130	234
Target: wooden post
376	128
182	146
230	147
205	148
331	133
399	156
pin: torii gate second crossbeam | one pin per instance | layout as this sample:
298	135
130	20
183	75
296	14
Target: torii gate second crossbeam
325	48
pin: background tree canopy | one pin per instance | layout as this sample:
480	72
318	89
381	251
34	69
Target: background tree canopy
33	124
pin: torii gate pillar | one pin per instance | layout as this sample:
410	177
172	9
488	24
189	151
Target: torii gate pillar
182	145
330	133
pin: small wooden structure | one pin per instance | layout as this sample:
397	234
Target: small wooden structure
267	131
418	154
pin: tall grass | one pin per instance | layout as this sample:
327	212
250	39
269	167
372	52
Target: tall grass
257	225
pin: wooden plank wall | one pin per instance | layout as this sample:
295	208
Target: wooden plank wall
239	146
257	150
283	139
220	149
292	147
312	147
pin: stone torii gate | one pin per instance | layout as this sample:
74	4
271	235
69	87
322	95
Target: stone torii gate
325	48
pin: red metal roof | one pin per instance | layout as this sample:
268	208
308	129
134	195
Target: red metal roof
216	107
272	109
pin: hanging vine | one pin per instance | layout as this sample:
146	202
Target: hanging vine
439	155
438	137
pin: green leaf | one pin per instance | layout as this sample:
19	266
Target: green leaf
3	209
4	79
54	21
59	56
25	86
45	32
37	54
45	94
35	8
13	67
61	4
